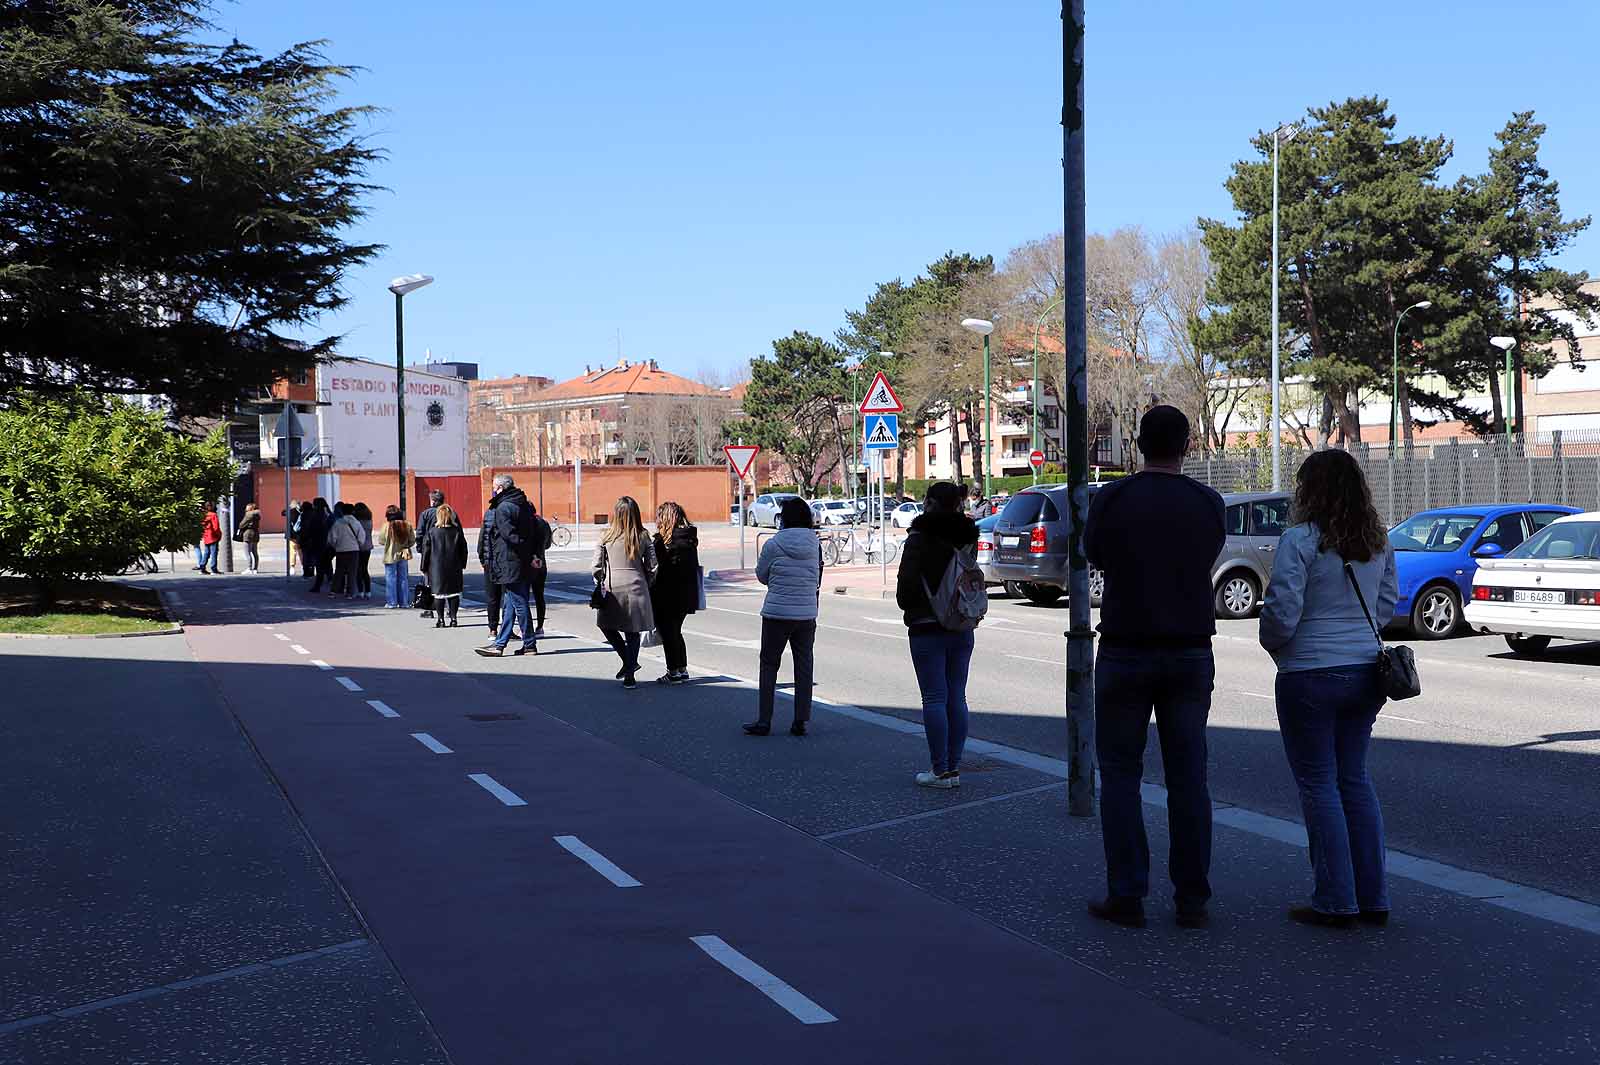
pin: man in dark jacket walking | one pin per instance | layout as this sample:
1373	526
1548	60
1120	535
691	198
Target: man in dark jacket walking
512	537
425	523
1156	624
491	583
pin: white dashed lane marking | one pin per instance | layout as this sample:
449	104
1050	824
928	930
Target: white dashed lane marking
432	744
597	861
297	649
495	788
320	664
382	707
802	1008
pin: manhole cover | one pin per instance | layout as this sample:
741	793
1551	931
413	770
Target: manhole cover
494	717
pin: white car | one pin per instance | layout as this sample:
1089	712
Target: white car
1546	588
833	512
764	511
902	516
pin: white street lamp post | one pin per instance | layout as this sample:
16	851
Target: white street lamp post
1505	344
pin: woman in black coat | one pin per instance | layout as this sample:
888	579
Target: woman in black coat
444	560
676	593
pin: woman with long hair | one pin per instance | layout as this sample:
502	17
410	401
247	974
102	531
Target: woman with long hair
676	593
444	560
1334	567
363	515
250	536
397	538
624	569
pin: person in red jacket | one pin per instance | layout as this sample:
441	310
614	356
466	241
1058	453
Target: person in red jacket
210	536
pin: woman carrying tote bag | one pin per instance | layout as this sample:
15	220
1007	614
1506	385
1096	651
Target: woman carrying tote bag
1330	686
624	569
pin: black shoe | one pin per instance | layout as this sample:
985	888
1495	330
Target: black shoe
439	624
668	678
1126	912
1375	918
622	674
1312	916
797	729
527	650
756	728
1193	917
452	623
492	651
427	613
629	683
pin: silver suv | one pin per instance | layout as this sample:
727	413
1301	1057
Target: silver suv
1253	522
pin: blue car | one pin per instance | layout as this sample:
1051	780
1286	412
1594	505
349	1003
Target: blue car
1436	554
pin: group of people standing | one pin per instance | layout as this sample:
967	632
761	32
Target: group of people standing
247	533
645	583
1156	627
332	544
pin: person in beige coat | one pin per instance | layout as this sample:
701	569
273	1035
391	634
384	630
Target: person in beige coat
624	569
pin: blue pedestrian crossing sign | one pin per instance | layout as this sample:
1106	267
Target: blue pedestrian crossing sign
882	432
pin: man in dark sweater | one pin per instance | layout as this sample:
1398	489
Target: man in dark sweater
1156	537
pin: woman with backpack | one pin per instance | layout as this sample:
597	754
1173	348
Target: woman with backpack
344	542
790	565
940	655
676	592
1332	591
624	568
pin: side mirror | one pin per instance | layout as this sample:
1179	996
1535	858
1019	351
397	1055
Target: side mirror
1488	550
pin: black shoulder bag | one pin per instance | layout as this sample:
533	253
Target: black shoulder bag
602	589
1397	666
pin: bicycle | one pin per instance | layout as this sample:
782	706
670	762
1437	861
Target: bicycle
560	535
145	563
879	544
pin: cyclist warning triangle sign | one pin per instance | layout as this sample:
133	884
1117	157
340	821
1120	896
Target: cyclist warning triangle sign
881	398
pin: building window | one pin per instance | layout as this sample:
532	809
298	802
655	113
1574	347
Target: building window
933	452
299	378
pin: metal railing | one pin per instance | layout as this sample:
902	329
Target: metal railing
1561	467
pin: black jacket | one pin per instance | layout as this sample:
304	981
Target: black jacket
250	527
313	534
513	535
924	558
677	586
425	523
444	559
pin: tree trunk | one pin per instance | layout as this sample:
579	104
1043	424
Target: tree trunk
1325	423
1405	411
1495	406
976	441
955	446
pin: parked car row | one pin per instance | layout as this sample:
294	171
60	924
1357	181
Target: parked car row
764	508
1438	553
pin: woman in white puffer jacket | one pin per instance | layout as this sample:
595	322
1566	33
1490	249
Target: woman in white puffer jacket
790	565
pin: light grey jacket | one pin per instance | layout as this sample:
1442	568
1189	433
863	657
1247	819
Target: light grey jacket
344	535
790	565
1310	618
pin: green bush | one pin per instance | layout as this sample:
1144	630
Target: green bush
87	484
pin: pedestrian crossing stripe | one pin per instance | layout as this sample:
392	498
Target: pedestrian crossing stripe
883	432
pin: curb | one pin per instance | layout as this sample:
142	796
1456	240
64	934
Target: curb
177	627
864	593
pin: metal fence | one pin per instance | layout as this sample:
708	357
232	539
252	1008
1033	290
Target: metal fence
1557	467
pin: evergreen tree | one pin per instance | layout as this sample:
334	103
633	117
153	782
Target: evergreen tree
152	187
793	406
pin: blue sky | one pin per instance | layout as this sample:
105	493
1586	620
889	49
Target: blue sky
708	176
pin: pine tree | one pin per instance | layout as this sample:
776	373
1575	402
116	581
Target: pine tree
152	187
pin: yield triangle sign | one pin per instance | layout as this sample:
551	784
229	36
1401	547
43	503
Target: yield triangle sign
741	457
881	398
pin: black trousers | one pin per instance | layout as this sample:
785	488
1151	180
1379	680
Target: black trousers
321	568
363	574
492	592
537	583
801	638
670	626
627	647
344	572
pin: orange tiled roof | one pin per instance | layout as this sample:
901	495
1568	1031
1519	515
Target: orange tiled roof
637	378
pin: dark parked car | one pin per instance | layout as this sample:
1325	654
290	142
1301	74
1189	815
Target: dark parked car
1030	545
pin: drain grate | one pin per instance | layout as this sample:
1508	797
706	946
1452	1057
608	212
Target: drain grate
494	717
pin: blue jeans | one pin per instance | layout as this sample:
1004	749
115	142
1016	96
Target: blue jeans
397	583
1325	717
206	555
514	609
1130	683
941	660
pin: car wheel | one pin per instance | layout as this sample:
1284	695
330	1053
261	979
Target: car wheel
1042	594
1528	646
1436	613
1238	595
1097	586
1013	589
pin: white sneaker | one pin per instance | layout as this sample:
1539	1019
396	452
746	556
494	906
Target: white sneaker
929	779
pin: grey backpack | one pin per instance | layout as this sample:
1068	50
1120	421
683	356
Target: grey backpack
960	602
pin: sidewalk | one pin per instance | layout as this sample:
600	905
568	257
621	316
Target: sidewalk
858	582
161	900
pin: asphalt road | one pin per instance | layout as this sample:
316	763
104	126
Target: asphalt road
1494	768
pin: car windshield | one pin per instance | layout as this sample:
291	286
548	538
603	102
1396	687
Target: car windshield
1026	508
1433	532
1567	539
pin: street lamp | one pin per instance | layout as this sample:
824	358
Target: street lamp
1282	135
1505	344
401	287
1045	314
983	327
1394	395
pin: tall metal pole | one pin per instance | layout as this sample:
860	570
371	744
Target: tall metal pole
988	419
1277	425
1080	637
400	393
1511	425
228	521
883	521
